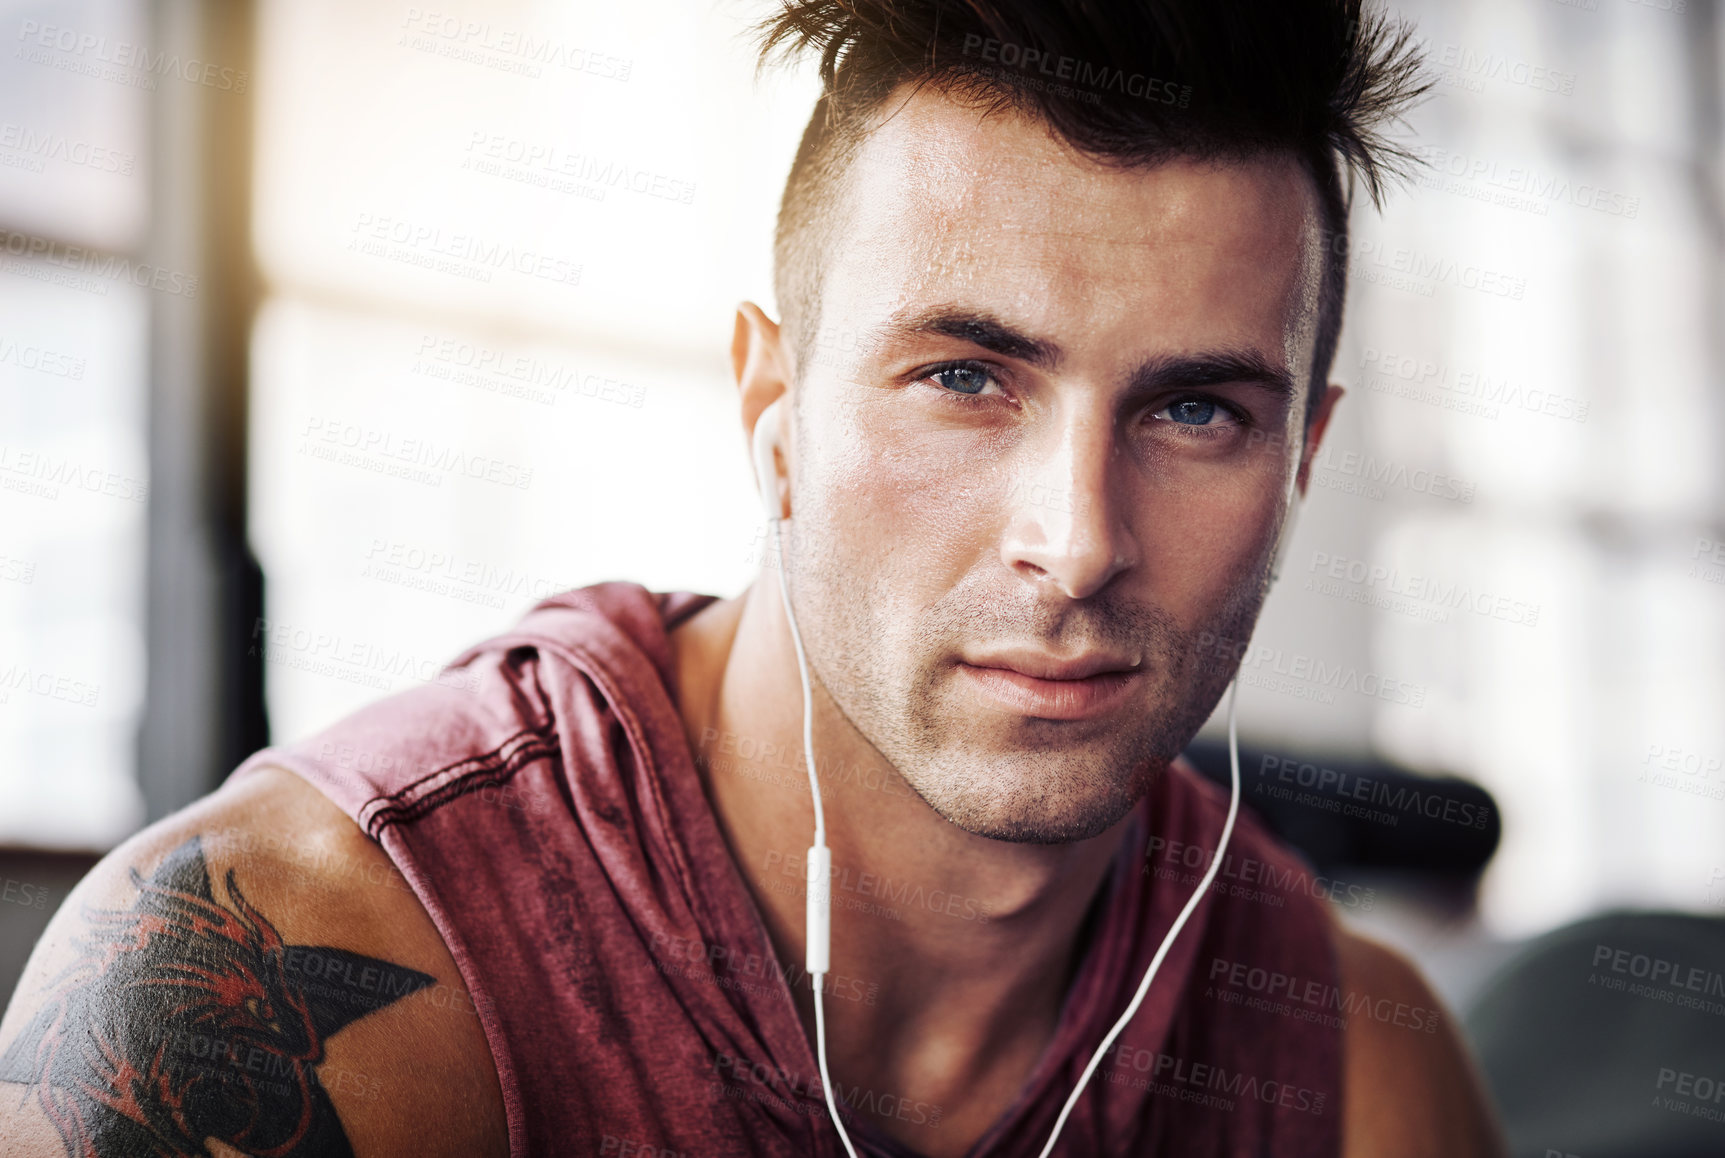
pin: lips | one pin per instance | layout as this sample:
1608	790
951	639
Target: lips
1047	667
1051	688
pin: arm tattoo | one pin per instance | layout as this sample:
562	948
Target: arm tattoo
187	1018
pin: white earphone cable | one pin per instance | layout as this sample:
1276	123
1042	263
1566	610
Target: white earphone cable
1173	931
817	919
803	672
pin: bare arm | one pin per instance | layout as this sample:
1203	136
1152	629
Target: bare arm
1411	1090
249	976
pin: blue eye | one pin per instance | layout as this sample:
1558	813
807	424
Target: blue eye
1192	412
963	379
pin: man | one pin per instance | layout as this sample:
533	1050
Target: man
1059	309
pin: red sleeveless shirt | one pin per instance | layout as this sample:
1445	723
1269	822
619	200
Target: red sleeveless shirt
547	810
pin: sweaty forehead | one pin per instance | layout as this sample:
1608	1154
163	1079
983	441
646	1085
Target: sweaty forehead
945	201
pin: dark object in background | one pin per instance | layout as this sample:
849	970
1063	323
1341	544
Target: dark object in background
1606	1039
33	884
1363	814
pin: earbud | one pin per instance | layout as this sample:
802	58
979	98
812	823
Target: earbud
766	437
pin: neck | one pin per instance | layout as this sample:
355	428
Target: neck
951	952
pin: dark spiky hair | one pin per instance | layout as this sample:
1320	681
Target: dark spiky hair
1126	82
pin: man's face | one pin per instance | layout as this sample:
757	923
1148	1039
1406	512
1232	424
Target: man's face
1040	456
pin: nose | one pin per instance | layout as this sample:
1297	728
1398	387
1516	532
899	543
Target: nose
1067	525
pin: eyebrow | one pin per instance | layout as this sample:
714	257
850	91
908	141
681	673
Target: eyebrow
1213	368
979	329
1210	368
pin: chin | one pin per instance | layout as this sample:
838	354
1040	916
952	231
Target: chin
1024	809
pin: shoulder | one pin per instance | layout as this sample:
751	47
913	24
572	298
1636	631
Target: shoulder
253	969
1411	1090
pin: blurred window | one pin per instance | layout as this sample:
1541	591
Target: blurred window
502	244
74	478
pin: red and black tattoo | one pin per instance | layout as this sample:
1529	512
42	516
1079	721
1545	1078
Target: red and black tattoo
187	1018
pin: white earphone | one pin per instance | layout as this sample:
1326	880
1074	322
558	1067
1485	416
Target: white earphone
818	912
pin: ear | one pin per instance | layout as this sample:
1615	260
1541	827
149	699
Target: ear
1323	408
760	362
